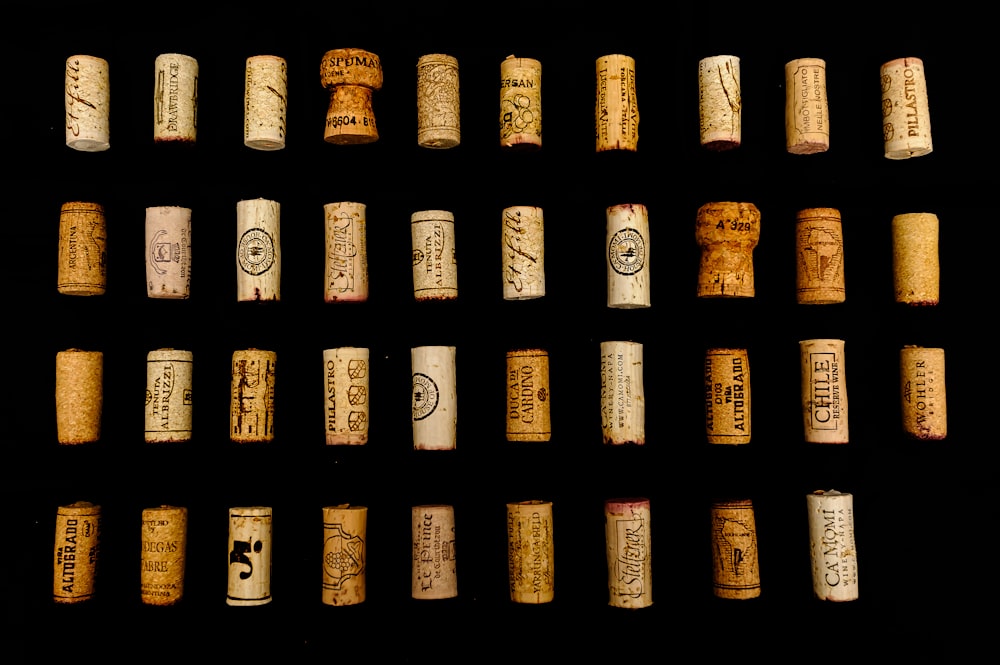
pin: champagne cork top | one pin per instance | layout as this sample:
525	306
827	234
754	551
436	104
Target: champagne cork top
350	66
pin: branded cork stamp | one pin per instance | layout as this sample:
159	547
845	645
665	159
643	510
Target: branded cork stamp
76	552
627	237
169	395
906	122
832	551
434	573
824	390
345	554
628	543
438	104
727	233
617	108
265	102
528	399
923	397
251	413
346	263
168	252
530	552
727	396
346	371
164	555
79	395
520	103
434	397
350	75
807	116
175	99
720	103
522	249
735	569
83	253
88	98
819	248
623	399
258	250
249	556
435	266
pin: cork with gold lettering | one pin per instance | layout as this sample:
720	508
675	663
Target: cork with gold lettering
924	402
346	262
906	121
627	238
528	398
434	398
617	109
88	102
169	390
346	370
249	556
807	116
735	569
265	102
77	550
720	103
345	554
628	541
916	268
168	252
83	253
623	398
351	75
258	250
520	103
79	395
824	390
175	99
819	250
164	555
435	266
522	250
438	104
434	572
832	551
251	414
727	233
727	396
530	552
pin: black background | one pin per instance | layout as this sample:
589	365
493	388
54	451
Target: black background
922	528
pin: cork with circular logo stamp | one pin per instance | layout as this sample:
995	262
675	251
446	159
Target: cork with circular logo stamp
434	397
258	250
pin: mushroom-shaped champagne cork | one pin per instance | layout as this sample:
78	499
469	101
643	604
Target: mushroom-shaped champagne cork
351	75
727	233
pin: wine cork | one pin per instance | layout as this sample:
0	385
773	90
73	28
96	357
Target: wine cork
251	416
628	541
727	396
925	406
168	252
77	550
346	264
906	121
916	269
435	398
265	102
175	99
345	554
735	569
435	268
83	249
819	250
807	116
523	253
346	396
249	556
824	390
720	102
351	75
727	233
528	410
520	103
623	399
832	551
617	110
169	388
530	552
88	100
79	395
258	250
438	108
628	256
434	566
164	546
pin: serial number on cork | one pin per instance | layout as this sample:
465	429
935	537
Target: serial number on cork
333	121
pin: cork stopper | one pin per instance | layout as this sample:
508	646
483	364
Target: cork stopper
83	253
819	249
916	269
434	572
351	75
734	550
906	122
924	401
832	551
346	370
727	233
628	256
168	252
720	102
88	100
175	99
434	397
530	552
623	399
345	554
258	250
528	395
727	396
249	556
164	550
807	116
265	104
521	103
522	250
79	395
435	266
346	263
169	390
617	109
824	390
251	416
77	550
438	104
628	541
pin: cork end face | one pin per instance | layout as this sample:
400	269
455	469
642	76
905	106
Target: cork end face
721	146
907	154
89	145
808	148
438	143
264	144
351	139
